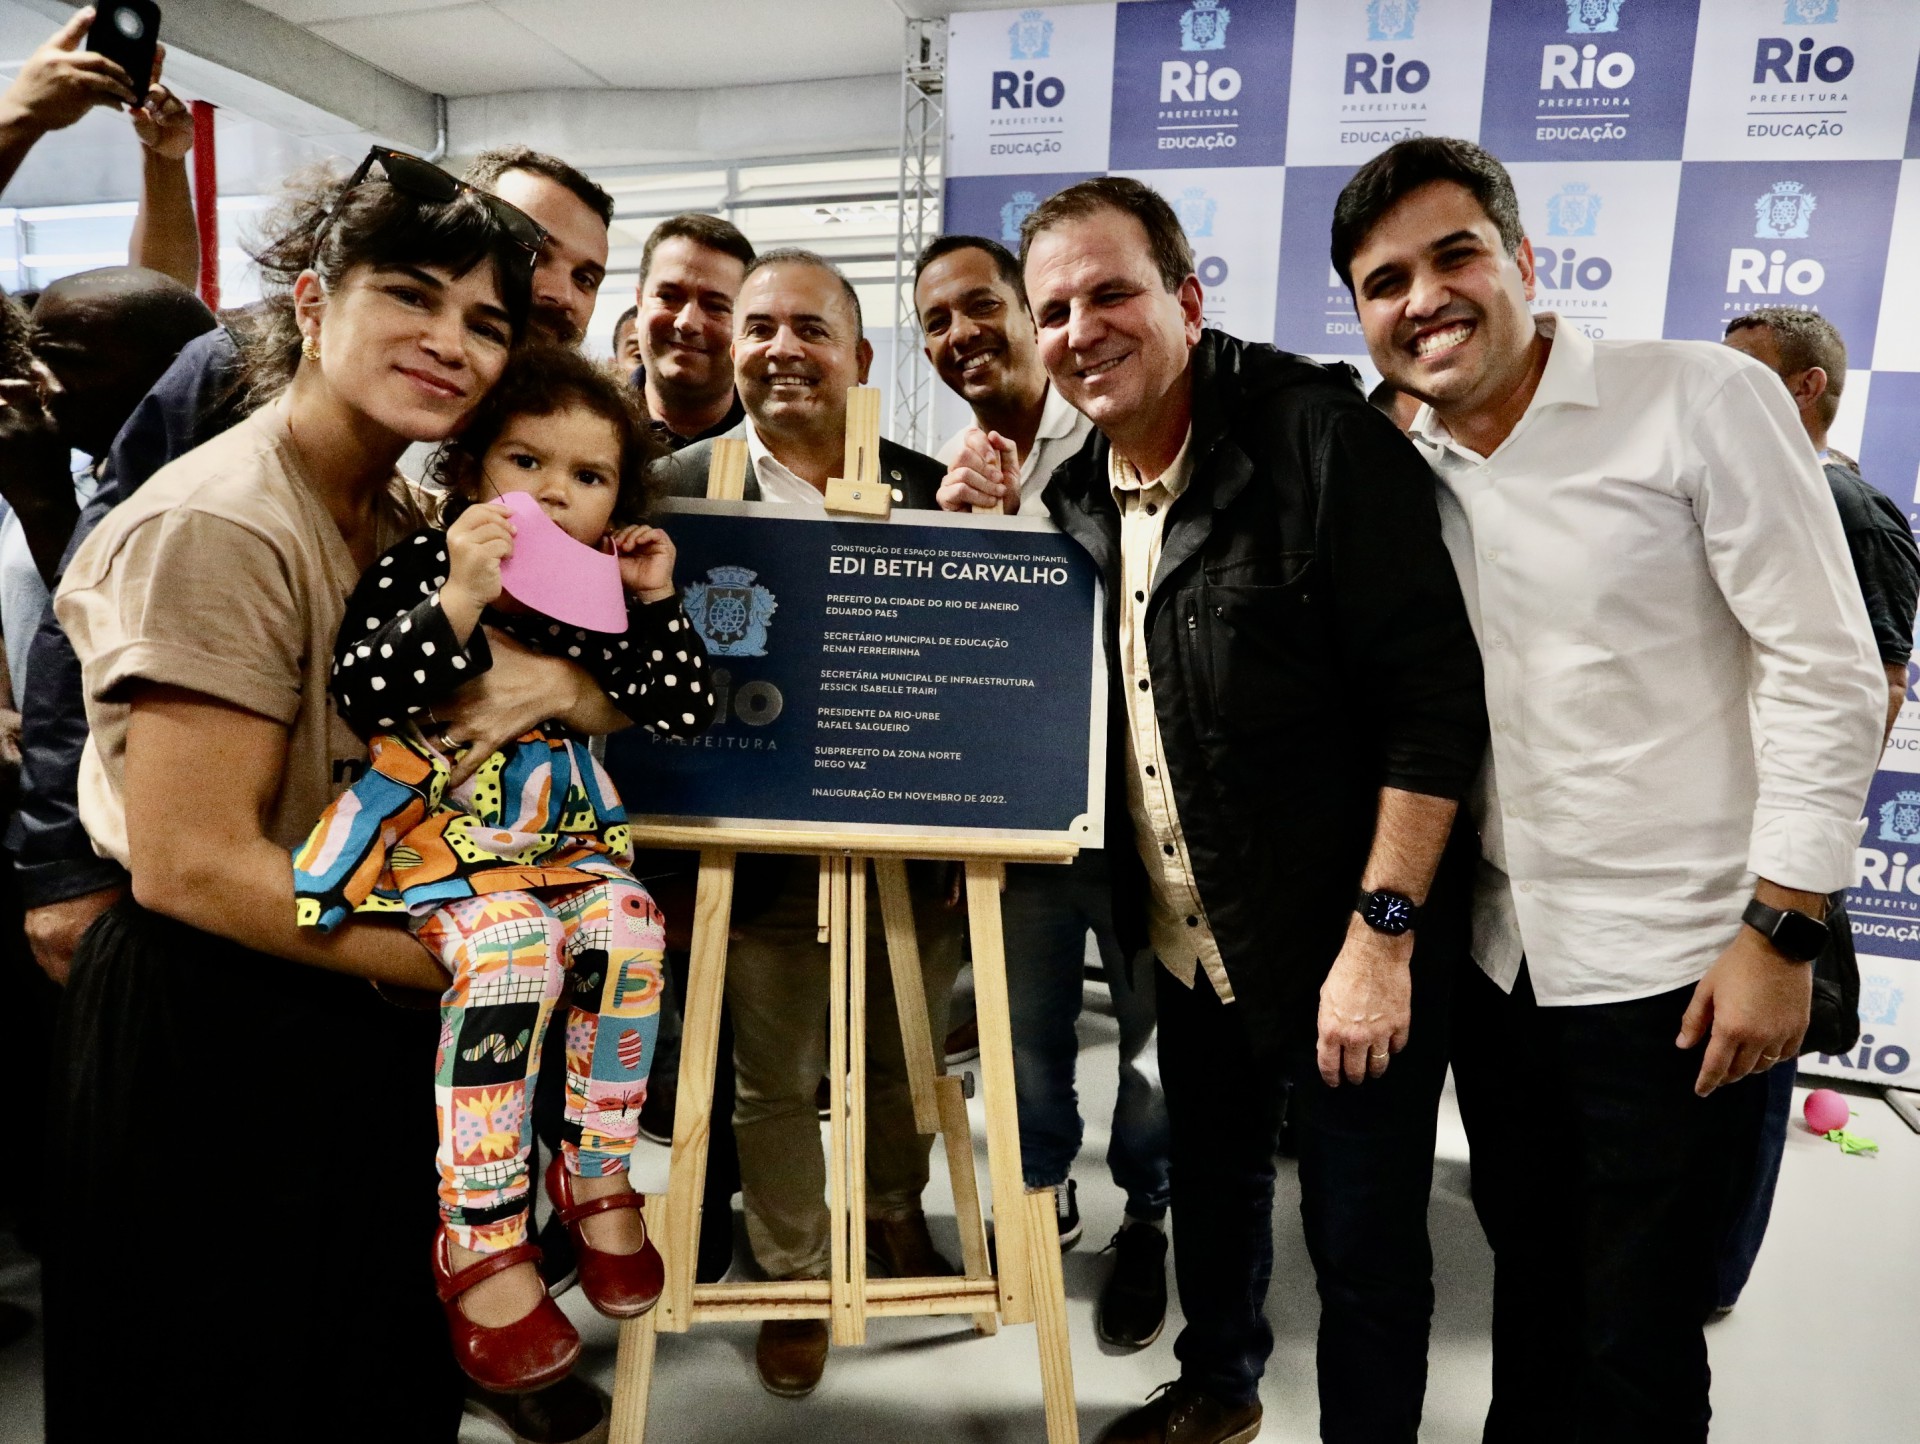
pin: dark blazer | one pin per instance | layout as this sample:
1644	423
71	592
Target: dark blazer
1308	646
915	478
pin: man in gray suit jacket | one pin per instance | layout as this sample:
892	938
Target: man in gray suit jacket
797	347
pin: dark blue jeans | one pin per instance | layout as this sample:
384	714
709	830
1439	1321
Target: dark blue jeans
1047	913
1366	1166
1604	1186
1749	1228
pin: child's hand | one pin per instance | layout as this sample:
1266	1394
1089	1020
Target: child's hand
646	561
477	543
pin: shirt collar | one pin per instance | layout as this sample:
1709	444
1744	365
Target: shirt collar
1568	380
1123	476
790	485
1057	417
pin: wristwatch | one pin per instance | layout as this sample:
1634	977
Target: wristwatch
1793	934
1388	912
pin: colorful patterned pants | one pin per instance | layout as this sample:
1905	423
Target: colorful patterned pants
512	955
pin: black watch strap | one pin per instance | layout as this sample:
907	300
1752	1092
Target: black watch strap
1794	934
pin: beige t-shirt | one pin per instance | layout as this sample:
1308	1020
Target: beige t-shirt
224	575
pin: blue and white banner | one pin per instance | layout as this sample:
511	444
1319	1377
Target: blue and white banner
1369	72
1679	163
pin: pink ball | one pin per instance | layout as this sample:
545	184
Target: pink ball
1826	1110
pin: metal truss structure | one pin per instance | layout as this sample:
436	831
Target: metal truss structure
923	111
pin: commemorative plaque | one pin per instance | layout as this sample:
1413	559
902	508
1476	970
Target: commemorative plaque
933	673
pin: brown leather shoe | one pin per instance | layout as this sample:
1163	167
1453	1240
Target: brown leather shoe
1181	1414
901	1248
791	1355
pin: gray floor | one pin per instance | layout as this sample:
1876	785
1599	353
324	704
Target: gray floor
1823	1348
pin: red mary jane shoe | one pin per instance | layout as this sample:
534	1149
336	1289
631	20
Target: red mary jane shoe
619	1285
530	1353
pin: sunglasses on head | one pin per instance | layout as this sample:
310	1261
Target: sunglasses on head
425	181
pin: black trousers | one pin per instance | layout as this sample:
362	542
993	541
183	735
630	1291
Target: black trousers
1366	1166
1605	1187
243	1152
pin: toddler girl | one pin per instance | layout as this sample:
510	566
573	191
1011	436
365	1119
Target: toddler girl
517	877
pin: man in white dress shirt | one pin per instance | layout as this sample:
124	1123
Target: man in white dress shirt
972	303
1686	710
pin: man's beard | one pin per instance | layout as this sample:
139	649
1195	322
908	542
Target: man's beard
555	326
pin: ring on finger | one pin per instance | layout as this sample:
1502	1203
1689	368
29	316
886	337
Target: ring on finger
1381	1053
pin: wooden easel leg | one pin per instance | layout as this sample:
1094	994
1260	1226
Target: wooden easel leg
825	917
909	991
693	1112
1050	1316
633	1365
855	1159
958	1136
838	1276
939	1104
996	1076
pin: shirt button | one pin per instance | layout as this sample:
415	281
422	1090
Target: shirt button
1526	887
1492	555
1143	684
1139	596
1192	921
1167	848
1152	509
1150	771
1497	640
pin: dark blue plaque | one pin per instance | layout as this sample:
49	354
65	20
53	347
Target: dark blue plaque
933	673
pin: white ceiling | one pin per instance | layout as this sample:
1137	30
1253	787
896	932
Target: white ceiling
609	83
479	47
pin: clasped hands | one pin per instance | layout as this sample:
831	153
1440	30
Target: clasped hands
986	473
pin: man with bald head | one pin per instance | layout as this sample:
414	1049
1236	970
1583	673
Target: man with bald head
100	340
798	345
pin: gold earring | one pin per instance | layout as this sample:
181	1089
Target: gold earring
310	347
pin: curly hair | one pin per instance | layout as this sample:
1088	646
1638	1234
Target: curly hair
16	333
375	224
541	381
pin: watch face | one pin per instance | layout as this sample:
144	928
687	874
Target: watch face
1800	937
1388	912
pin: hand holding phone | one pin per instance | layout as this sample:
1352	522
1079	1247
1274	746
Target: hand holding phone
127	32
60	82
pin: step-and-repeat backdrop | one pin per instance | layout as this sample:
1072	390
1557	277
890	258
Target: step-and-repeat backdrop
1678	162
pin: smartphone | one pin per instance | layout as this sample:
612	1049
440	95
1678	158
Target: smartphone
127	31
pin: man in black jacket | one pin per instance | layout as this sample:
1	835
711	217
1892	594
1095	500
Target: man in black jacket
1295	713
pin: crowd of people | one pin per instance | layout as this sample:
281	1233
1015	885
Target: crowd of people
1517	721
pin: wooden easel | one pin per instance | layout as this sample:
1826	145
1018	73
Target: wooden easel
1027	1287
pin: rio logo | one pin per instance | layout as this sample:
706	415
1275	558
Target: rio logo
1197	82
1575	211
1018	90
1784	213
1564	68
1562	270
1376	75
1891	1059
1772	57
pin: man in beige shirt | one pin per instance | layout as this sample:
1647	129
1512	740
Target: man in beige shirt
1297	711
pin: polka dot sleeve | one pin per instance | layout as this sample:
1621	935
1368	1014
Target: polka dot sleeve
396	656
656	673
